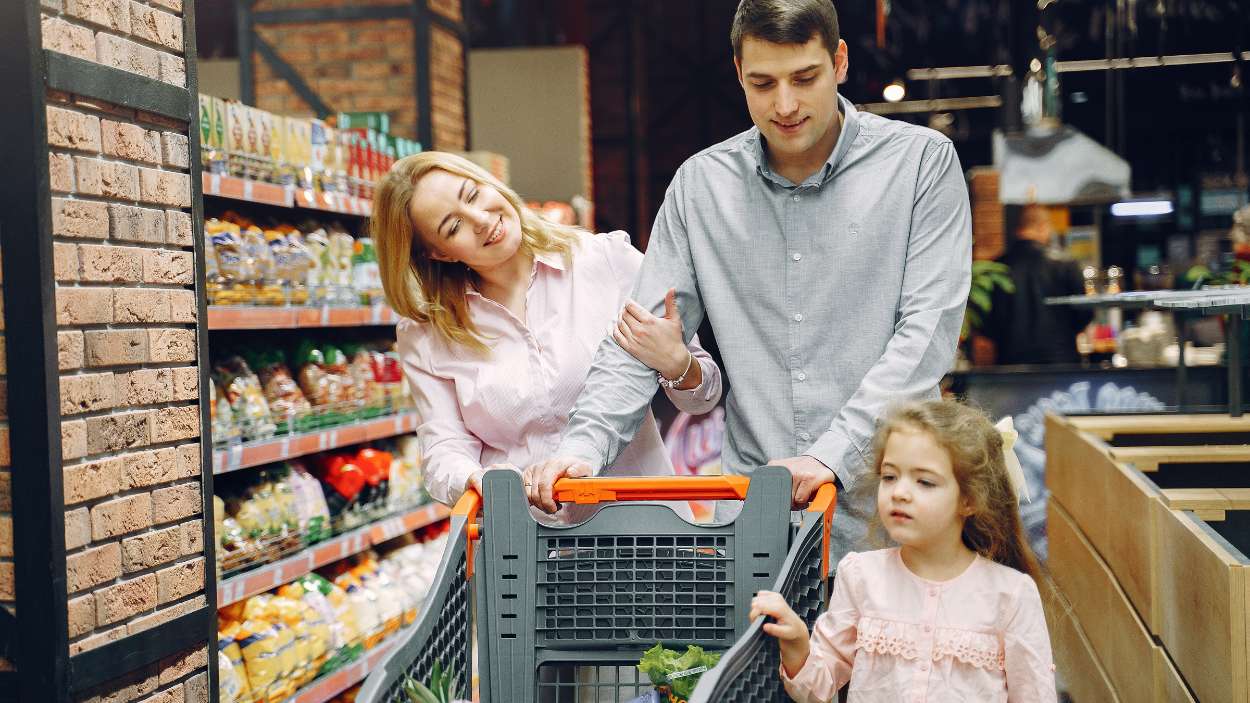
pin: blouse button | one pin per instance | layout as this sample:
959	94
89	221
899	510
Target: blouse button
933	593
928	628
924	667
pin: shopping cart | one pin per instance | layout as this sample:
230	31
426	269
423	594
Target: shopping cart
564	613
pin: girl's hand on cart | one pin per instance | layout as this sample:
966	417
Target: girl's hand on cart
540	480
475	479
655	341
786	626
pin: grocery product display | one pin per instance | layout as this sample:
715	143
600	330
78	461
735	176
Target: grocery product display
281	264
343	155
261	393
272	644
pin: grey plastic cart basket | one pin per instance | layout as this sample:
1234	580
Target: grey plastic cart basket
564	613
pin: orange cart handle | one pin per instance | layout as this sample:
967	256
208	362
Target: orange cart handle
589	491
583	491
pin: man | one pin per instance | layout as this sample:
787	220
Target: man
830	250
1024	329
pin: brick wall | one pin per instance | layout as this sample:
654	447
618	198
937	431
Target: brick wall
988	223
126	345
365	66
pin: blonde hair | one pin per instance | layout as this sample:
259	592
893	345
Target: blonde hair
993	529
423	289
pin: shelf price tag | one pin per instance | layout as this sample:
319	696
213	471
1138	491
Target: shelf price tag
234	457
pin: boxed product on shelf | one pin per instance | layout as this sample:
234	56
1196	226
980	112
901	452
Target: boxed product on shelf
242	390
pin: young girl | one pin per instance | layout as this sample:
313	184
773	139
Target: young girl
952	613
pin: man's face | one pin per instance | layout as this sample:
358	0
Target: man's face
792	92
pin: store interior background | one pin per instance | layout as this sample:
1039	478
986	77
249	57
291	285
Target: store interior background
658	86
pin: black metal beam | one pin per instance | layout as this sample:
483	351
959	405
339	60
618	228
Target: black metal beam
209	633
460	30
30	322
245	32
116	659
88	78
421	57
465	9
332	14
288	73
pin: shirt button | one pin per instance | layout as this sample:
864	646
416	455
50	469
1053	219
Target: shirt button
798	317
795	198
796	256
802	376
804	436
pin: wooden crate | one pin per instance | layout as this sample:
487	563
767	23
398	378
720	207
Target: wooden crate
1204	602
1112	492
1082	676
1121	644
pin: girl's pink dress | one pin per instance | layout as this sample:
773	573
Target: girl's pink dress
896	637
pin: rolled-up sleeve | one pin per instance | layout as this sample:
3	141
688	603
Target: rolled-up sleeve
451	453
934	292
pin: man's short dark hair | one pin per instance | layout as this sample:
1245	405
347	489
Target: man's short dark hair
785	22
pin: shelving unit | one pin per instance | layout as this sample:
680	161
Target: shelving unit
249	583
244	455
257	317
222	186
327	687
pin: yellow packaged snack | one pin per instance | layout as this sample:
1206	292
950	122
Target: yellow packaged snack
229	649
262	656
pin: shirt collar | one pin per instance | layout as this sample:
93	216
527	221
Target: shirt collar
850	130
550	259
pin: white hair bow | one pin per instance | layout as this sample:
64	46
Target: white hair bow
1015	472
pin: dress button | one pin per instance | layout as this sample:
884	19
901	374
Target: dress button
933	593
924	667
797	256
928	628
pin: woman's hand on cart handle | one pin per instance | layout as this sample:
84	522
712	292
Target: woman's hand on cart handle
475	478
786	626
540	480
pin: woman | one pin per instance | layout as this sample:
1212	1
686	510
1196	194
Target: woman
503	314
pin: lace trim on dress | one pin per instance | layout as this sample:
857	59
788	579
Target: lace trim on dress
900	639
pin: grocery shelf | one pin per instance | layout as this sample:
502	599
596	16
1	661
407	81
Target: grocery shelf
270	576
242	455
327	687
251	191
256	317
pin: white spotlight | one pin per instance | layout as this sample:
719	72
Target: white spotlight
1142	208
894	92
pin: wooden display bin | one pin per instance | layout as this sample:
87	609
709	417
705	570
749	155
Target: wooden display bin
1119	486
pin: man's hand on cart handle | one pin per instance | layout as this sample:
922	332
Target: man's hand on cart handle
540	480
786	626
475	479
806	475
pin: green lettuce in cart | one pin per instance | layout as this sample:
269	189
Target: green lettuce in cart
677	672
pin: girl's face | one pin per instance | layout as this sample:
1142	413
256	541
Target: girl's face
461	220
918	498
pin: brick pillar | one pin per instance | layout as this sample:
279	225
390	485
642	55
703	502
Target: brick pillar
369	65
126	348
